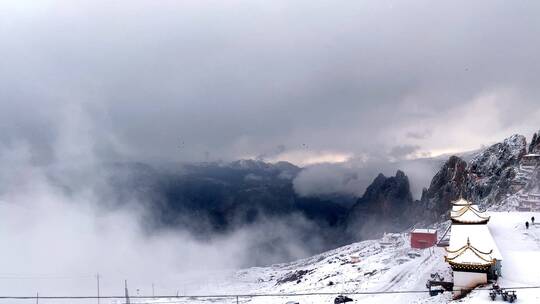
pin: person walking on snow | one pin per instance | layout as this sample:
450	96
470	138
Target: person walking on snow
527	225
532	220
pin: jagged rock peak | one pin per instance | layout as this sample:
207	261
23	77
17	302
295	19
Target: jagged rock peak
383	205
387	192
400	174
534	147
447	185
499	156
485	180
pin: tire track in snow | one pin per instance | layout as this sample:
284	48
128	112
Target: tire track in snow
407	273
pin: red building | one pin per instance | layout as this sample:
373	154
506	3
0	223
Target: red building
423	238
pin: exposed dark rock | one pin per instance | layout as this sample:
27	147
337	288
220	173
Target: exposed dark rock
447	185
342	299
381	207
534	147
295	276
388	197
485	180
490	173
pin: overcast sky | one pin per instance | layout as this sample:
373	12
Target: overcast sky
306	81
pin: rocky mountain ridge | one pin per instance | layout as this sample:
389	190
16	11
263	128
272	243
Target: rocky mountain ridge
488	179
381	207
212	199
253	188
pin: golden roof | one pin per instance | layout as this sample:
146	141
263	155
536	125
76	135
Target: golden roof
468	214
469	257
461	202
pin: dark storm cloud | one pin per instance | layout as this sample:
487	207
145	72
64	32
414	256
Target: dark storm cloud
191	79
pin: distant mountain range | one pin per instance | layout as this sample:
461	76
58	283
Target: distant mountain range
222	196
212	199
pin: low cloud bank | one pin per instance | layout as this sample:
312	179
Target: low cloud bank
354	176
56	238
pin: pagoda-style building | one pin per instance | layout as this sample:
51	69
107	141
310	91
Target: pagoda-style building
472	253
461	202
464	212
469	258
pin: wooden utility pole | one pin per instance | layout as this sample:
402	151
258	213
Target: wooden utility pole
127	293
97	279
153	295
37	297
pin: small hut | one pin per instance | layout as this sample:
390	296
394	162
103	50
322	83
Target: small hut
423	238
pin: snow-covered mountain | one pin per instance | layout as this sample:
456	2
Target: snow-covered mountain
378	266
486	179
389	263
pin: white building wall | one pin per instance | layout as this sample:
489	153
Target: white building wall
467	280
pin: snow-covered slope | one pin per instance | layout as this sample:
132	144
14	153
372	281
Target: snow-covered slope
380	269
520	249
387	264
383	265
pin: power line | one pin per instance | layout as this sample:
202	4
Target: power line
38	277
200	296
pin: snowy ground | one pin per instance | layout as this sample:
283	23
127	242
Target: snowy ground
384	265
520	249
376	265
